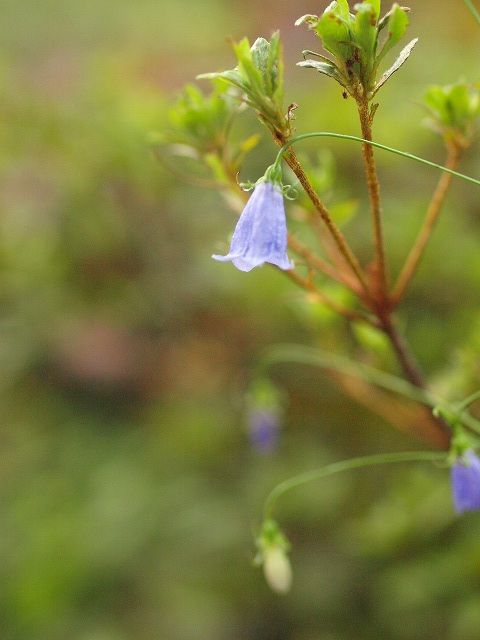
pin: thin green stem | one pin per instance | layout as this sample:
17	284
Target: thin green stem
473	10
329	360
461	406
347	465
344	136
381	279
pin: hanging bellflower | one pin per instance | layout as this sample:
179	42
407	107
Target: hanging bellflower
466	482
261	232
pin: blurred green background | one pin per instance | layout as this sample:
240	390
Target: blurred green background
128	488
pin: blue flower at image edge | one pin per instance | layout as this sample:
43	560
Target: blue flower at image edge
466	482
261	232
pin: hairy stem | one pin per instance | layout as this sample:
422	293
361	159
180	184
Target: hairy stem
417	251
374	193
322	211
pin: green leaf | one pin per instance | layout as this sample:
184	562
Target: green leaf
260	51
251	75
343	9
454	105
232	76
308	18
365	32
334	30
328	69
402	58
397	26
275	69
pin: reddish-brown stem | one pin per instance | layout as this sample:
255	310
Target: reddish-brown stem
406	359
438	430
374	194
336	234
434	209
433	429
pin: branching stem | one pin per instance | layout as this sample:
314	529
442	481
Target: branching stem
322	211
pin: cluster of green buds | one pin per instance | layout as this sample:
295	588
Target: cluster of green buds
258	77
358	43
201	121
453	110
199	126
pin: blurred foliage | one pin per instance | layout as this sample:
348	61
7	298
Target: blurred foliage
128	487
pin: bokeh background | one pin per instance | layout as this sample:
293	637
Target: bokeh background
129	489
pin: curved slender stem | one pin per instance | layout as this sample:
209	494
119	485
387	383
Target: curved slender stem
473	10
378	145
347	465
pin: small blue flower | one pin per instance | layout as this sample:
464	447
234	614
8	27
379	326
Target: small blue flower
263	428
466	482
261	232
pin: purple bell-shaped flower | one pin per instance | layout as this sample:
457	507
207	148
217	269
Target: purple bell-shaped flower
466	482
261	232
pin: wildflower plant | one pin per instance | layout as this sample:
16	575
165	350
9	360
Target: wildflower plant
361	52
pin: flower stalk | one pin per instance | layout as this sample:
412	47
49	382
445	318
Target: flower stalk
346	465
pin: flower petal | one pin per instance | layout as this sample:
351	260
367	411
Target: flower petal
261	232
466	483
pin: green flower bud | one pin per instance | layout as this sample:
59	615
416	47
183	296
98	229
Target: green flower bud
277	569
272	554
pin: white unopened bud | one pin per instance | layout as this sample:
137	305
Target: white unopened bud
277	569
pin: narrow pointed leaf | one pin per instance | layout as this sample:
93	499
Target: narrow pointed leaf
308	18
397	26
328	69
232	76
404	54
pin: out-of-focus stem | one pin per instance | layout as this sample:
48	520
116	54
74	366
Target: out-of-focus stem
434	209
308	285
312	260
